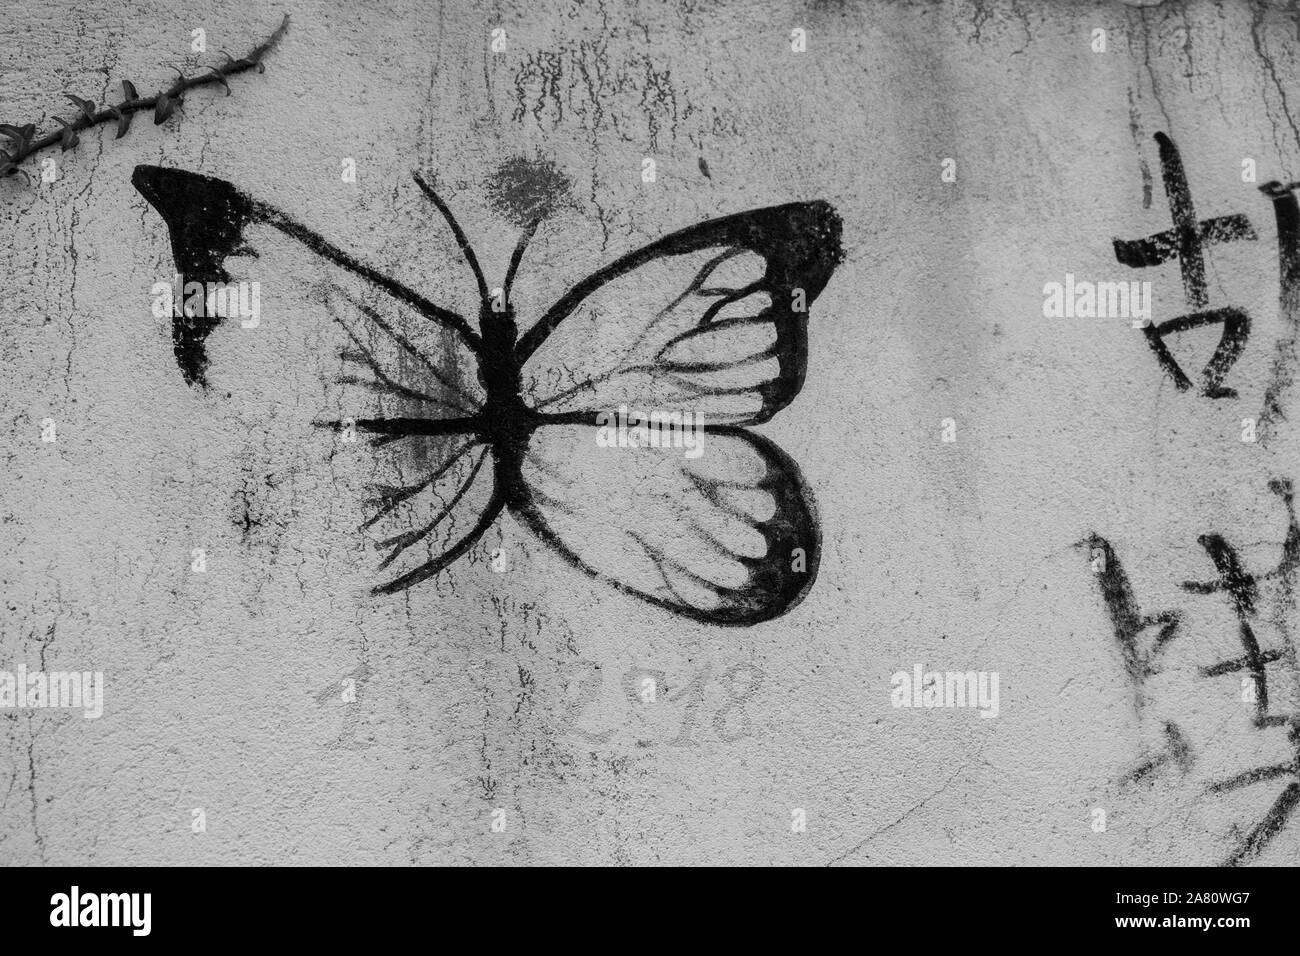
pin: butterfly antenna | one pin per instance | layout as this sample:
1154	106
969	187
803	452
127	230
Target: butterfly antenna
519	254
465	248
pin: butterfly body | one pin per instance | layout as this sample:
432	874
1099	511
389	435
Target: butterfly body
704	328
506	422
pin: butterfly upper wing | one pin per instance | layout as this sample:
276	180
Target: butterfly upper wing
340	351
207	219
712	318
706	321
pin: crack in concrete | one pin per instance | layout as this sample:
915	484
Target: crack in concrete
1260	43
906	814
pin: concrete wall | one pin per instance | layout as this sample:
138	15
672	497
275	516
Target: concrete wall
483	691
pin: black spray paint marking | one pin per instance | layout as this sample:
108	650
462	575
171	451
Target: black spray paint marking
1135	130
1242	589
799	244
523	190
1141	659
1176	751
1264	831
1287	212
1127	619
1186	242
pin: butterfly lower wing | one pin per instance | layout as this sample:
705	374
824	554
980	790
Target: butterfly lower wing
347	379
728	538
711	319
433	514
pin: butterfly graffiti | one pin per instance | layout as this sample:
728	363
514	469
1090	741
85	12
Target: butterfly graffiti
710	320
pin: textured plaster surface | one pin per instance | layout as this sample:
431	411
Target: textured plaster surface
485	691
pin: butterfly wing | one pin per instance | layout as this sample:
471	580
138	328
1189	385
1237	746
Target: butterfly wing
728	538
344	366
207	220
710	321
713	318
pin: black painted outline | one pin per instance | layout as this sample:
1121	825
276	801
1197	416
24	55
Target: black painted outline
1186	242
800	244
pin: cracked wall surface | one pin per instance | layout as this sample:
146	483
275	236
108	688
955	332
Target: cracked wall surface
999	490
